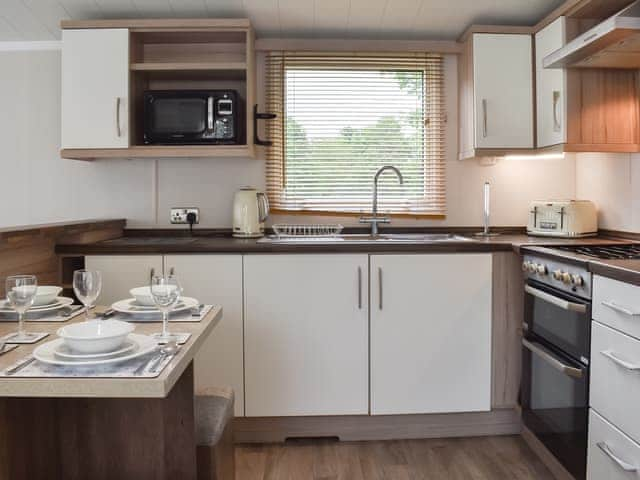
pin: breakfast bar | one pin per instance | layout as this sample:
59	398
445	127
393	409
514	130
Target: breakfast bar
101	428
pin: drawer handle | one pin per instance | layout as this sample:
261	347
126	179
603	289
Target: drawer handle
558	302
617	360
620	308
627	467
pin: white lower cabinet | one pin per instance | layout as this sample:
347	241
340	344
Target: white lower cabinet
216	279
306	334
121	273
430	333
612	455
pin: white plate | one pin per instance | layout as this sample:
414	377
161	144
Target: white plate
57	305
130	307
45	353
63	351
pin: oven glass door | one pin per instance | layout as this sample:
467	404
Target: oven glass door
555	403
559	318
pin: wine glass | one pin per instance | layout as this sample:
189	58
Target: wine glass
165	291
21	293
87	285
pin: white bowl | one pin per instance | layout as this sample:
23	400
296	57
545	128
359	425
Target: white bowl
46	294
95	336
143	296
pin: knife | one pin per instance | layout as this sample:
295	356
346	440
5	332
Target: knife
20	366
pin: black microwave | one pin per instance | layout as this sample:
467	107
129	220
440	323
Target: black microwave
192	117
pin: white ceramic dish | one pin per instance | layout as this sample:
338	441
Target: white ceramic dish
143	296
57	304
95	336
46	352
130	307
63	351
46	294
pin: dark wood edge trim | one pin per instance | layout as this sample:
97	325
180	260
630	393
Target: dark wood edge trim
62	227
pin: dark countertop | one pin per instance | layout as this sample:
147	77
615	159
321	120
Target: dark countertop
150	242
627	271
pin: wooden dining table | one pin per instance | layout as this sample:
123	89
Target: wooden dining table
101	428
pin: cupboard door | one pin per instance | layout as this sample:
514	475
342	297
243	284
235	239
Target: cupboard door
430	333
503	90
121	273
306	335
95	88
217	280
551	101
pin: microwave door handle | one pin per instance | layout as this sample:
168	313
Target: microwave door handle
558	302
548	357
210	113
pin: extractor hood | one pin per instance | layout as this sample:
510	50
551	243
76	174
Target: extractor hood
614	43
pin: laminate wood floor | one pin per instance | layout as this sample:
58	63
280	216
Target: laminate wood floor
481	458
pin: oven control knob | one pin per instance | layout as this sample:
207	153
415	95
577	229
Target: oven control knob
557	275
532	267
525	266
577	280
542	269
566	278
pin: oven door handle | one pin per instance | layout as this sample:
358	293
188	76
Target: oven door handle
627	467
558	302
548	357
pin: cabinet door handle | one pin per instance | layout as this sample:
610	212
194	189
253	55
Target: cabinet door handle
359	288
484	118
618	361
620	309
380	288
556	118
118	129
627	467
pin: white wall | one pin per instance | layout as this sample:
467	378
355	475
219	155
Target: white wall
41	187
612	182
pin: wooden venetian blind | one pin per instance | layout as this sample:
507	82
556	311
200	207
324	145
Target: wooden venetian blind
341	117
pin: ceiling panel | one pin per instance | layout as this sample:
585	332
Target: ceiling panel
226	8
442	19
296	17
330	17
24	21
188	8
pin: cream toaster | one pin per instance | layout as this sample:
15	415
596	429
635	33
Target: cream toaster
563	218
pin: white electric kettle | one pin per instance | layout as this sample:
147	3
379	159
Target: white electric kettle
250	210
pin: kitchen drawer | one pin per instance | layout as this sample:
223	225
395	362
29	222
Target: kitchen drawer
617	304
612	455
615	378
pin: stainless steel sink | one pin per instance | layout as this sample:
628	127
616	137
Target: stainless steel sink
366	238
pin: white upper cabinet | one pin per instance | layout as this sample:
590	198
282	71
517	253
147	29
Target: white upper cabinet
503	90
95	88
306	335
551	101
430	333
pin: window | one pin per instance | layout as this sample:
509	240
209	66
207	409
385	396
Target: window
341	117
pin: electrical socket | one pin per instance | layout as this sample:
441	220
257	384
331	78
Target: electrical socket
179	215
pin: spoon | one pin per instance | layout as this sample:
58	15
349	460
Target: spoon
167	351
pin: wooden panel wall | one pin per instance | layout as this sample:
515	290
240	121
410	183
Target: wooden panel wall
508	311
31	250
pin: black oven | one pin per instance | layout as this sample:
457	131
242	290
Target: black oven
555	371
192	117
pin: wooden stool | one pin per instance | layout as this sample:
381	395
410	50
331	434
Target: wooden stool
214	434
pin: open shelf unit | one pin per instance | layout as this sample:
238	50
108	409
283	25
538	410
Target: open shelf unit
182	54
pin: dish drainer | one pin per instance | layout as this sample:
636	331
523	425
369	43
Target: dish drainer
306	230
